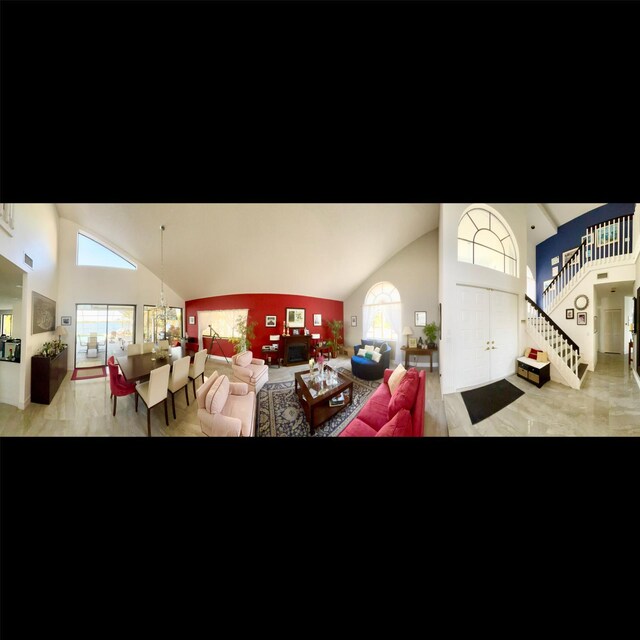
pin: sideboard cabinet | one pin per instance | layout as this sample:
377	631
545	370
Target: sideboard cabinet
47	375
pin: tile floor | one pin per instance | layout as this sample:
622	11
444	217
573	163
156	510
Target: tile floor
608	404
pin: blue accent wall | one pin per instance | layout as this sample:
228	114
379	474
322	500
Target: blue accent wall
569	236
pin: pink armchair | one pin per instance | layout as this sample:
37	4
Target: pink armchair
226	408
251	370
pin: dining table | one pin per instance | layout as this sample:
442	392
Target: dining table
140	366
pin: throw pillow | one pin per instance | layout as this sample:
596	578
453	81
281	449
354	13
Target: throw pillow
361	352
384	347
527	351
533	354
376	356
368	348
396	377
405	395
542	357
368	355
399	426
244	359
218	394
376	350
201	394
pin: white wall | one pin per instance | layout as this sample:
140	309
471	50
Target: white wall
583	335
414	271
452	273
36	234
101	285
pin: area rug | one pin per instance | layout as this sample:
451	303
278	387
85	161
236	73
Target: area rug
485	401
280	413
87	373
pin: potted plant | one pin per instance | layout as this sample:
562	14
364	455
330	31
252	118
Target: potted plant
335	327
245	333
431	332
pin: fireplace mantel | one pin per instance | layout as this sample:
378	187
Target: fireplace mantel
293	341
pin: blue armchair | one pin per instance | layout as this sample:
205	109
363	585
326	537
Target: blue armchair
369	369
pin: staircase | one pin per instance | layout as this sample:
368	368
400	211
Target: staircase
604	244
562	351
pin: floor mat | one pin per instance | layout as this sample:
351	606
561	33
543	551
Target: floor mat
87	373
485	401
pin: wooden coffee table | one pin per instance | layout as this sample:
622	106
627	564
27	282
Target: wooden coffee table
315	395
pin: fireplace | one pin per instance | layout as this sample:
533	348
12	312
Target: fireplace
297	353
296	349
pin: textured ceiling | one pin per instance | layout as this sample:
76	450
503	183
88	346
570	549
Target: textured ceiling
323	250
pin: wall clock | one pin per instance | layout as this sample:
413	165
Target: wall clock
581	302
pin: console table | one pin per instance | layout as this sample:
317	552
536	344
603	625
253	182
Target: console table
416	351
46	376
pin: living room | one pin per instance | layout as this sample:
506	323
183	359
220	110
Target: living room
278	269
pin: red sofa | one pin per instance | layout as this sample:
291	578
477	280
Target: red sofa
374	415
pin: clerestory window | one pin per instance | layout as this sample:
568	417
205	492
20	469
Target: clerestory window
485	240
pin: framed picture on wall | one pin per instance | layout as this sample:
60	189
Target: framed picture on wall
65	321
317	320
607	234
554	271
295	317
568	314
555	260
354	321
567	255
582	317
192	319
43	314
270	321
420	319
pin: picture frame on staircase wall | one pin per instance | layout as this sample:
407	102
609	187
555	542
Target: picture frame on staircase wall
555	260
607	234
567	255
554	271
568	314
581	317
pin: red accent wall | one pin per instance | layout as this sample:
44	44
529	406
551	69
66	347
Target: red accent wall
261	305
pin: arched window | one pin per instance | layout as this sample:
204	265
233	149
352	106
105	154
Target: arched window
381	312
486	240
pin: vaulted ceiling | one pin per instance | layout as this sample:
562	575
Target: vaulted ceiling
323	250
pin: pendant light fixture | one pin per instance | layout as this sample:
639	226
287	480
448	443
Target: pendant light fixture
161	309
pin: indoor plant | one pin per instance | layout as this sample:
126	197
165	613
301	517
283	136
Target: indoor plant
244	335
335	327
431	332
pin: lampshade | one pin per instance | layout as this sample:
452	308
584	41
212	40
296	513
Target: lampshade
407	331
61	331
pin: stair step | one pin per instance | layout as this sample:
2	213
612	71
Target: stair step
582	368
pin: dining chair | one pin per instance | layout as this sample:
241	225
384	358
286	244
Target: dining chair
119	386
147	347
134	349
179	378
154	392
92	343
197	368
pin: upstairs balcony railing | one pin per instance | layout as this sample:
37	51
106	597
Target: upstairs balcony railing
604	243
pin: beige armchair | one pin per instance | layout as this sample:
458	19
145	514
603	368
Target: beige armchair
226	409
251	370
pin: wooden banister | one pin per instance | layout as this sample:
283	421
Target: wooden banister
552	323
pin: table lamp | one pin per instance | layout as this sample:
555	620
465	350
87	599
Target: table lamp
61	331
407	332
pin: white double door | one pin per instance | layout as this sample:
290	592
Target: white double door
486	335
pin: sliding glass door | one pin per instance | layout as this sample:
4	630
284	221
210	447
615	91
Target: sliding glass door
103	330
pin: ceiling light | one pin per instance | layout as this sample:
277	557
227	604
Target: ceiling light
161	309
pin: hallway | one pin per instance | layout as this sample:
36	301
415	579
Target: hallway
608	404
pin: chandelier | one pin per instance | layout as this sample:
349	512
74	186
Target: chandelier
162	309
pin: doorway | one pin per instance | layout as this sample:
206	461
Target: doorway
103	330
487	344
612	331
